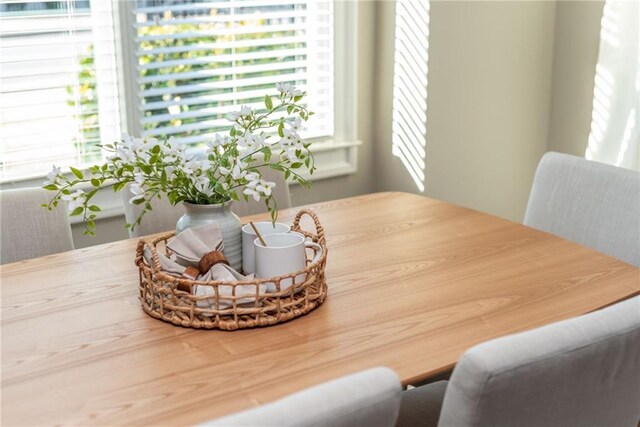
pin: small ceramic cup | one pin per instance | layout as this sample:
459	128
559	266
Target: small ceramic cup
248	236
284	254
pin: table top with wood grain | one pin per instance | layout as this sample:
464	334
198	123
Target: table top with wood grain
413	282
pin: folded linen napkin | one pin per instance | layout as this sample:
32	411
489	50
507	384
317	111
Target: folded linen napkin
188	248
193	243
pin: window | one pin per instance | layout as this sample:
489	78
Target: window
59	97
183	65
195	62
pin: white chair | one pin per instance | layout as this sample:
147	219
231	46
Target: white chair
27	230
163	216
364	399
583	371
590	203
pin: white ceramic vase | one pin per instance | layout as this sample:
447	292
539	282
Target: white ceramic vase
230	226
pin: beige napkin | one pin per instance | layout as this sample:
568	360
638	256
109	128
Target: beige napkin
193	243
188	247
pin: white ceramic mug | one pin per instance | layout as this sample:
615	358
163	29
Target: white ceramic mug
248	236
284	254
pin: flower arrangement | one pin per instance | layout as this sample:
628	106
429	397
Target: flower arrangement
229	167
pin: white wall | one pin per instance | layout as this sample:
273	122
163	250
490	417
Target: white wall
488	103
577	38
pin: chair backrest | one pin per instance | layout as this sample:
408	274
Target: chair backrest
163	216
367	398
27	230
583	371
590	203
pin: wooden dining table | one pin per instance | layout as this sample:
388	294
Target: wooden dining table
412	283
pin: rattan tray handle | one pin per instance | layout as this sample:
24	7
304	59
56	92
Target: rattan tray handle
319	236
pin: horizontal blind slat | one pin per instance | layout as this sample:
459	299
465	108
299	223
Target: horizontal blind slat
202	60
212	5
206	99
280	15
225	32
235	44
225	71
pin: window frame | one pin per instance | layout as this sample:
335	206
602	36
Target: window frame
335	156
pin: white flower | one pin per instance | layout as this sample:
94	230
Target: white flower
253	176
251	142
237	172
258	188
290	139
53	176
196	167
137	191
233	116
288	90
245	110
265	187
296	125
202	184
252	193
291	154
74	200
219	141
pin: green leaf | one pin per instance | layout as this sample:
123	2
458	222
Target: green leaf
290	109
118	186
95	182
268	103
297	98
156	149
51	187
296	165
76	172
94	208
281	130
77	211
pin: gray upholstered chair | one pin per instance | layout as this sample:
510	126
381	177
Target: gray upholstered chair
364	399
27	230
163	216
583	371
590	203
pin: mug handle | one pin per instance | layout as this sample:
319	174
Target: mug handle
317	247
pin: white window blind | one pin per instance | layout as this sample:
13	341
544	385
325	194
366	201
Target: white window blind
57	84
198	60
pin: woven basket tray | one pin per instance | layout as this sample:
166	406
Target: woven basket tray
228	309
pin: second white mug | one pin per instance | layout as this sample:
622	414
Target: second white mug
248	236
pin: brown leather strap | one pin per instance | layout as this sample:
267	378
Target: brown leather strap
210	259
